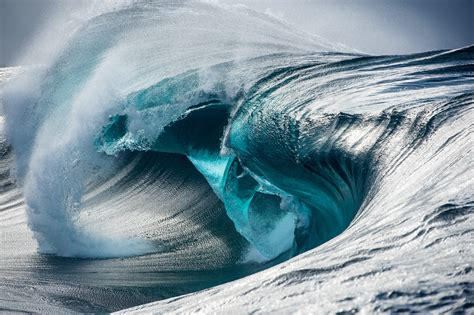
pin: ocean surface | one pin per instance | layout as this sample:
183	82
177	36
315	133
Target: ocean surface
165	148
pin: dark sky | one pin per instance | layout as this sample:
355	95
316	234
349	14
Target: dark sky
372	26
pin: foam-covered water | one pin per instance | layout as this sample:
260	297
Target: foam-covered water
191	144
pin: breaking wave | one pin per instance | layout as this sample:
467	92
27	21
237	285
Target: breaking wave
241	138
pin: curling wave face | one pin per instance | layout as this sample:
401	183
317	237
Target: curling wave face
241	138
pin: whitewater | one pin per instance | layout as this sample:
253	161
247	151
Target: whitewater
203	157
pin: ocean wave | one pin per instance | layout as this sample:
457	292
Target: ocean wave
241	143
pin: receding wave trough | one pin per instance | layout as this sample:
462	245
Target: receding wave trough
151	158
